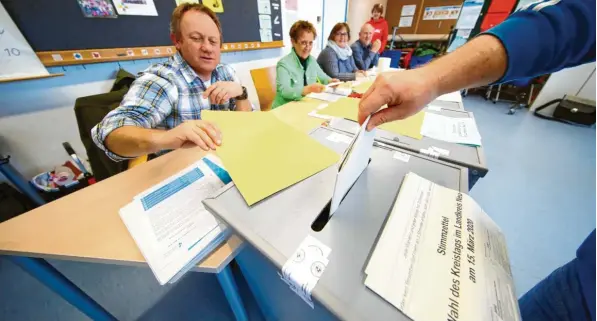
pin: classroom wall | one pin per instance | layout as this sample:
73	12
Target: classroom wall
359	12
572	81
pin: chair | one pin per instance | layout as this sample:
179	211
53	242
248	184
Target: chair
91	110
264	80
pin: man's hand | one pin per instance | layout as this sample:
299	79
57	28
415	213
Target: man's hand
199	132
405	93
313	88
360	73
333	80
375	46
221	91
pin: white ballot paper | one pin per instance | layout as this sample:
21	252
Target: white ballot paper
440	257
352	164
451	129
169	223
332	92
454	97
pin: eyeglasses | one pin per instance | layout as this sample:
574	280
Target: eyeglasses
305	43
342	34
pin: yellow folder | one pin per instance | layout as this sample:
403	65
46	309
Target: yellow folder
348	108
264	155
362	87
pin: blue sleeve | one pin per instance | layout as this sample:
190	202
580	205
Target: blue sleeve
586	271
357	55
546	37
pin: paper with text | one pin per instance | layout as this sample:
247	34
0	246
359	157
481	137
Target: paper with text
440	257
169	223
353	163
451	129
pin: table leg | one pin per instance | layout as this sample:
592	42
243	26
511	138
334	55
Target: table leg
19	181
230	289
53	279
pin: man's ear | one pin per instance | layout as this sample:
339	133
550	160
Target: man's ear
175	41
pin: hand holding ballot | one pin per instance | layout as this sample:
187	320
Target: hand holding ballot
199	132
405	93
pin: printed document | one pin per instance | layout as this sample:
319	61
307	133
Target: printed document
451	129
440	257
169	223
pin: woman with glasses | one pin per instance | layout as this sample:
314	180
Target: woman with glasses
298	74
336	59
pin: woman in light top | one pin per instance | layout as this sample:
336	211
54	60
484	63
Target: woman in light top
298	74
336	59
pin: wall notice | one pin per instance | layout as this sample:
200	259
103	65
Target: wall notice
17	59
441	13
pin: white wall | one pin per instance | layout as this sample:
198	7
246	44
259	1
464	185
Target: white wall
334	11
359	12
568	81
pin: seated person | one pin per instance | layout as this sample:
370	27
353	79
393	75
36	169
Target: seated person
364	52
162	110
336	59
298	74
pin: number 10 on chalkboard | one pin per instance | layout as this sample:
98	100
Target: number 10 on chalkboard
12	51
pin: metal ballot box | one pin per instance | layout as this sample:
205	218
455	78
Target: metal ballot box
278	224
471	157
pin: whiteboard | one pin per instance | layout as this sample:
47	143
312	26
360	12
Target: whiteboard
17	59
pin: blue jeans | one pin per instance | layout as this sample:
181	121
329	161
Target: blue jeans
558	297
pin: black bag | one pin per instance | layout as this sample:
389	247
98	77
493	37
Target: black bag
570	109
13	203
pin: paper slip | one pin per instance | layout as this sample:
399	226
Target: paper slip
453	97
339	138
353	163
304	268
402	156
169	223
325	96
450	129
440	257
434	108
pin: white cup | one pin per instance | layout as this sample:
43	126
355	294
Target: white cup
384	64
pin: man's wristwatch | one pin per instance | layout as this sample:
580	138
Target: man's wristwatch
242	96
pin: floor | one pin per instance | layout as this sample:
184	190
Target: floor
540	190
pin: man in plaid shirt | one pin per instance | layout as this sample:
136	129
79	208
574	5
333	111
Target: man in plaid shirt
162	110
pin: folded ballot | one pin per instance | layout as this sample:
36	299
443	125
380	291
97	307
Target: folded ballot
441	257
169	224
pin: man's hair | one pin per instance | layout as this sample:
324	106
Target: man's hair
299	27
378	7
179	12
338	27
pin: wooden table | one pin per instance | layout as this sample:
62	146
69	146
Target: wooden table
85	226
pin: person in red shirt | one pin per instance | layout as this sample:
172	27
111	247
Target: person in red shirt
380	26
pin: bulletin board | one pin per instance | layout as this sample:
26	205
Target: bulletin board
60	34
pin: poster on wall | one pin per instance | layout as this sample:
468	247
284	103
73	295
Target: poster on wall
405	22
441	13
135	7
97	9
17	59
408	10
469	15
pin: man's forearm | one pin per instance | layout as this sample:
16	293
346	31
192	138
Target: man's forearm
131	141
243	105
481	61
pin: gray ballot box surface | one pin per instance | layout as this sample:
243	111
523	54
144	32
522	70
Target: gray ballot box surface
278	224
447	104
471	157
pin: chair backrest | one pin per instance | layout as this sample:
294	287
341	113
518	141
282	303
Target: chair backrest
264	80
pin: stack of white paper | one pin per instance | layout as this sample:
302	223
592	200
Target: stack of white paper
333	92
169	223
440	257
450	129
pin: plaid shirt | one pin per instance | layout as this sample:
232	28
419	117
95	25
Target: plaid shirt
163	96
